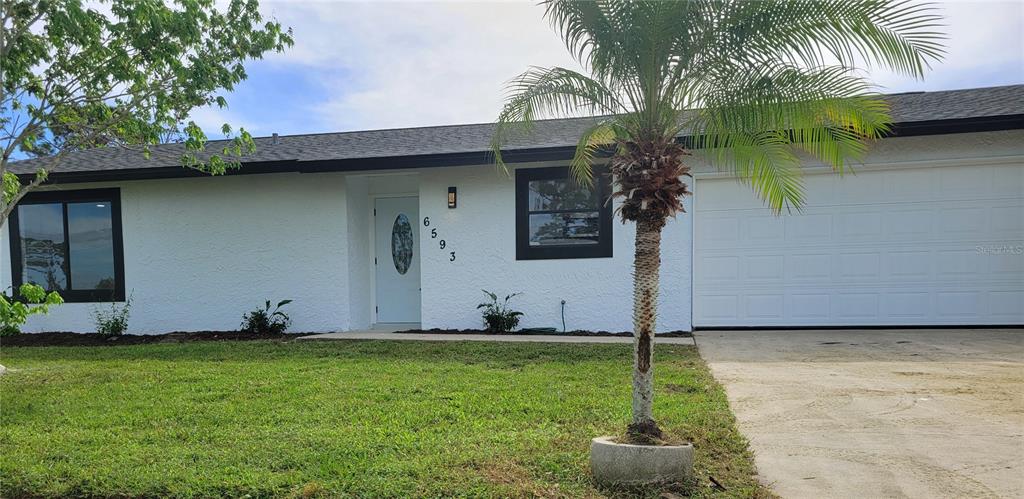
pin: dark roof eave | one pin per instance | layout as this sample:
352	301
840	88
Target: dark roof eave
907	129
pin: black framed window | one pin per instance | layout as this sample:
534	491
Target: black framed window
69	242
556	217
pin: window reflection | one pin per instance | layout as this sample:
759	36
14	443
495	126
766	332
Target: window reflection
43	250
560	194
91	245
564	228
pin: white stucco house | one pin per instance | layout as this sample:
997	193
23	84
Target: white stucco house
406	226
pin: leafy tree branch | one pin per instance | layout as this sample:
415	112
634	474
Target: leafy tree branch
125	73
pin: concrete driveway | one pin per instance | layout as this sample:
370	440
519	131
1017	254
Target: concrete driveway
869	413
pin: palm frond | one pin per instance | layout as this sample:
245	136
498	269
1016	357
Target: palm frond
905	36
827	112
600	135
544	92
764	160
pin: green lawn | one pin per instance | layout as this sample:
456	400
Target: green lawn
342	418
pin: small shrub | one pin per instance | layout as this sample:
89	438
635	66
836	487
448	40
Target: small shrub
498	316
33	300
267	321
113	322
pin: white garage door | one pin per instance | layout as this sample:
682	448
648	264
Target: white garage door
922	246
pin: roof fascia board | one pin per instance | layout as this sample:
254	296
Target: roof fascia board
907	129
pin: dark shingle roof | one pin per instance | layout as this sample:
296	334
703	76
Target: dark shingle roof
908	108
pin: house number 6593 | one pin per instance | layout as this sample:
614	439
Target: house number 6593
442	243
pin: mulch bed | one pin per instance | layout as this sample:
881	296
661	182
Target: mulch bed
58	339
65	339
671	334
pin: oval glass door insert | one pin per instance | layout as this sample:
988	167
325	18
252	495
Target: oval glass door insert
401	243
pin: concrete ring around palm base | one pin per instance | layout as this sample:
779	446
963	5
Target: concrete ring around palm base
613	463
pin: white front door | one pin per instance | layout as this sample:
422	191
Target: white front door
397	258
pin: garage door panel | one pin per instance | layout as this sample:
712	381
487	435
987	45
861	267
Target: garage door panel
908	185
812	307
965	183
864	226
908	305
1007	182
1006	304
909	265
907	223
767	306
964	220
812	228
720	231
959	303
1006	263
767	229
1007	221
941	246
720	307
857	305
721	268
859	266
809	267
761	268
955	264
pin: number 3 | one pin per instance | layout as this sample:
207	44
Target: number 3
452	259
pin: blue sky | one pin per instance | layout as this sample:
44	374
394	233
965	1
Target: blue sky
367	65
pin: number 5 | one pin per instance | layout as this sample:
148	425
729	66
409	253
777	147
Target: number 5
433	233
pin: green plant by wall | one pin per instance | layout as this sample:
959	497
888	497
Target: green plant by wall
267	321
498	316
115	321
34	300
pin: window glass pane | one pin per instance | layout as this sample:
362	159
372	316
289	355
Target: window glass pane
551	229
561	194
91	236
41	229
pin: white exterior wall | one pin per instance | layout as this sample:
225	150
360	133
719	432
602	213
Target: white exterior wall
481	231
200	252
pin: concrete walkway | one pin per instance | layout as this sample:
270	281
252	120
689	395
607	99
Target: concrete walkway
391	335
868	413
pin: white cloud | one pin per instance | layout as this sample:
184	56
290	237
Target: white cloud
211	119
396	64
985	47
409	64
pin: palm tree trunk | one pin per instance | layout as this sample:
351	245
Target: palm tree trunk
647	261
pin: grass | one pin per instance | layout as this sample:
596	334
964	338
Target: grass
365	419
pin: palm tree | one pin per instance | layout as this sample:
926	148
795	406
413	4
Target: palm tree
750	86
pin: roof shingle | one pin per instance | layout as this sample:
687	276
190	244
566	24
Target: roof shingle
454	139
